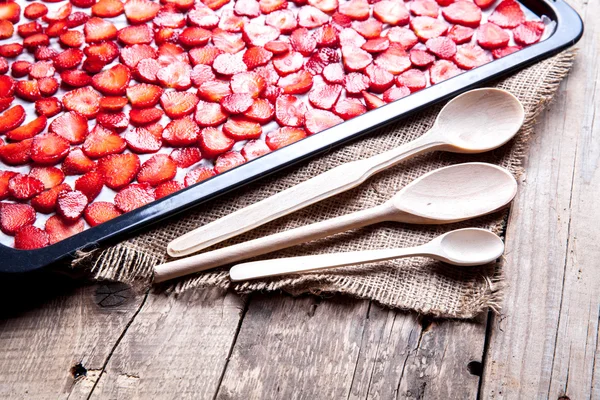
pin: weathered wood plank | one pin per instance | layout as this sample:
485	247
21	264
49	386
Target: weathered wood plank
176	347
48	327
545	344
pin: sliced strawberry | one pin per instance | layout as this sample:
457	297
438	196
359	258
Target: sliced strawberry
228	160
214	90
5	176
319	120
71	126
256	56
303	41
134	196
166	35
443	47
45	202
49	148
34	11
334	73
90	184
11	50
77	163
203	17
491	36
15	216
296	83
72	39
28	130
380	79
376	45
289	63
167	188
7	86
529	32
325	96
102	142
283	20
204	55
428	8
194	36
508	14
395	59
146	139
209	114
356	82
49	176
31	238
178	104
119	169
404	37
372	101
227	42
144	95
113	103
113	81
319	60
48	107
326	6
284	136
471	56
28	90
176	75
140	11
464	13
241	128
327	36
504	51
229	64
28	29
76	19
237	103
10	11
168	17
5	102
213	142
186	156
132	55
100	212
136	34
484	3
156	170
268	6
413	79
428	28
215	4
59	228
369	29
254	149
249	8
116	120
289	111
230	22
24	187
12	118
106	52
257	35
349	108
47	86
96	30
461	34
18	153
85	101
169	53
421	58
181	132
145	116
59	14
107	8
268	73
395	93
20	68
55	29
261	111
146	70
355	9
277	47
198	175
70	205
442	70
249	83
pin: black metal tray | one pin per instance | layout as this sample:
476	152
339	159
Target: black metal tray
567	32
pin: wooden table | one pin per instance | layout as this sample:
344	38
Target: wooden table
60	340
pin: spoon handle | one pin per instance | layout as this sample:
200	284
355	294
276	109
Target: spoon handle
325	185
267	244
282	266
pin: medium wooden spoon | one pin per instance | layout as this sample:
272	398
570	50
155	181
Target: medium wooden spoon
446	195
474	122
463	247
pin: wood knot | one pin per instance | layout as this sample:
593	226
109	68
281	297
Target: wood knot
112	294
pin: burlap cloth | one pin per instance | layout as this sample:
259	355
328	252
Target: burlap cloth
417	284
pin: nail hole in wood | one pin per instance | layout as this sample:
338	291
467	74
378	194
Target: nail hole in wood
78	371
475	368
112	294
426	323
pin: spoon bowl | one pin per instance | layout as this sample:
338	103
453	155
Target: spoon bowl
468	247
479	120
456	193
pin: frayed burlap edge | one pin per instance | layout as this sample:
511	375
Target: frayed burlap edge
128	263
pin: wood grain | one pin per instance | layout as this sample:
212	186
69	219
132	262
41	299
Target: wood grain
545	345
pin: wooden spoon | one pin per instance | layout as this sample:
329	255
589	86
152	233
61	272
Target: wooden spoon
474	122
446	195
463	247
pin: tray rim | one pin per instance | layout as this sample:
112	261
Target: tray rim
569	29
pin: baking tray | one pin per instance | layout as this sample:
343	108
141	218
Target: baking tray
568	30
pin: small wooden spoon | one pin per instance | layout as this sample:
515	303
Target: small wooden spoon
474	122
463	247
446	195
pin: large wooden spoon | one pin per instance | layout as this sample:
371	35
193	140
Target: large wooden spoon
446	195
474	122
462	247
